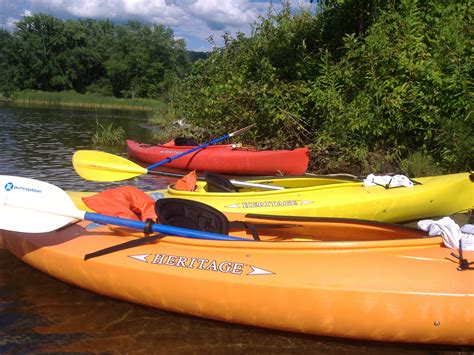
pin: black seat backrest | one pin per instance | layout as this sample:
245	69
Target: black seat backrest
185	141
218	183
195	215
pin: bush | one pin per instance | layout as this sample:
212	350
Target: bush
397	82
419	164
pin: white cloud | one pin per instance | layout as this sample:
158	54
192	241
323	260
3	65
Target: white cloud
194	20
224	13
91	8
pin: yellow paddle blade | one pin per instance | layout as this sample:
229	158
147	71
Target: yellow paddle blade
100	166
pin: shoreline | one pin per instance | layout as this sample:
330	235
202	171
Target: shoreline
78	105
73	99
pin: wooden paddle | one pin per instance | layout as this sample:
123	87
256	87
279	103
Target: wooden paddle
101	166
33	206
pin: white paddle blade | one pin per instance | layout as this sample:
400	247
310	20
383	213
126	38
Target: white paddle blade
33	206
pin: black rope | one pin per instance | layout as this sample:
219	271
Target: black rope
464	264
123	246
247	225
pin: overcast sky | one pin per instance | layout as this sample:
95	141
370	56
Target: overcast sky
193	20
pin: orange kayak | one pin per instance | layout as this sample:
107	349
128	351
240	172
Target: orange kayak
225	159
332	277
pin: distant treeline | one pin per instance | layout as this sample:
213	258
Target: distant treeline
91	56
369	85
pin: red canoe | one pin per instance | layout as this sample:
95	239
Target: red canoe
225	159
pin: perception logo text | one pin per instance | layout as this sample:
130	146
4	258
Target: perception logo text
9	186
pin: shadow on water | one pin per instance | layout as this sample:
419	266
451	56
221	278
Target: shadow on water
41	314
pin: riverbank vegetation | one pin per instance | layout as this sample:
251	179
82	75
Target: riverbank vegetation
367	85
375	85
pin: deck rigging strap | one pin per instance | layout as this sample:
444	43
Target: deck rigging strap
464	264
123	246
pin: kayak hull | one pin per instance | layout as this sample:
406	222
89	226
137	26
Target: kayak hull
309	281
328	197
224	159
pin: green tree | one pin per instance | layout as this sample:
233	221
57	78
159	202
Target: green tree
144	60
38	40
131	60
7	63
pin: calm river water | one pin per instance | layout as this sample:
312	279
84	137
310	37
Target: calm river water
41	314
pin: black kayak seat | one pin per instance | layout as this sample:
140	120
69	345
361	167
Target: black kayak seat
185	141
196	215
218	183
191	214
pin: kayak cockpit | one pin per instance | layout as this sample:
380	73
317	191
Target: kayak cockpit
198	216
283	228
216	183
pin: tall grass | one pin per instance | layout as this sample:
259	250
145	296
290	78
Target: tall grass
73	99
108	135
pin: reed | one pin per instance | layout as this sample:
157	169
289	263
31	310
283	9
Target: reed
73	99
5	99
108	135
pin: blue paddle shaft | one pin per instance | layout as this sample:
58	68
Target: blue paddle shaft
159	228
167	160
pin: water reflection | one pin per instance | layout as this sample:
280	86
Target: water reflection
41	314
39	142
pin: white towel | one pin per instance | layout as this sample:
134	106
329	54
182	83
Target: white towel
388	181
467	236
449	231
468	228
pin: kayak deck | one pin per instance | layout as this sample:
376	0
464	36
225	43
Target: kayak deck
333	197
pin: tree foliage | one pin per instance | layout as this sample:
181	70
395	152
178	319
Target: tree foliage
130	60
394	81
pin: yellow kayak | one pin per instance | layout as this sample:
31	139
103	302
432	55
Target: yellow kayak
333	197
299	196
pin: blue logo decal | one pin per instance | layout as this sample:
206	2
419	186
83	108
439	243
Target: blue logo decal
9	187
